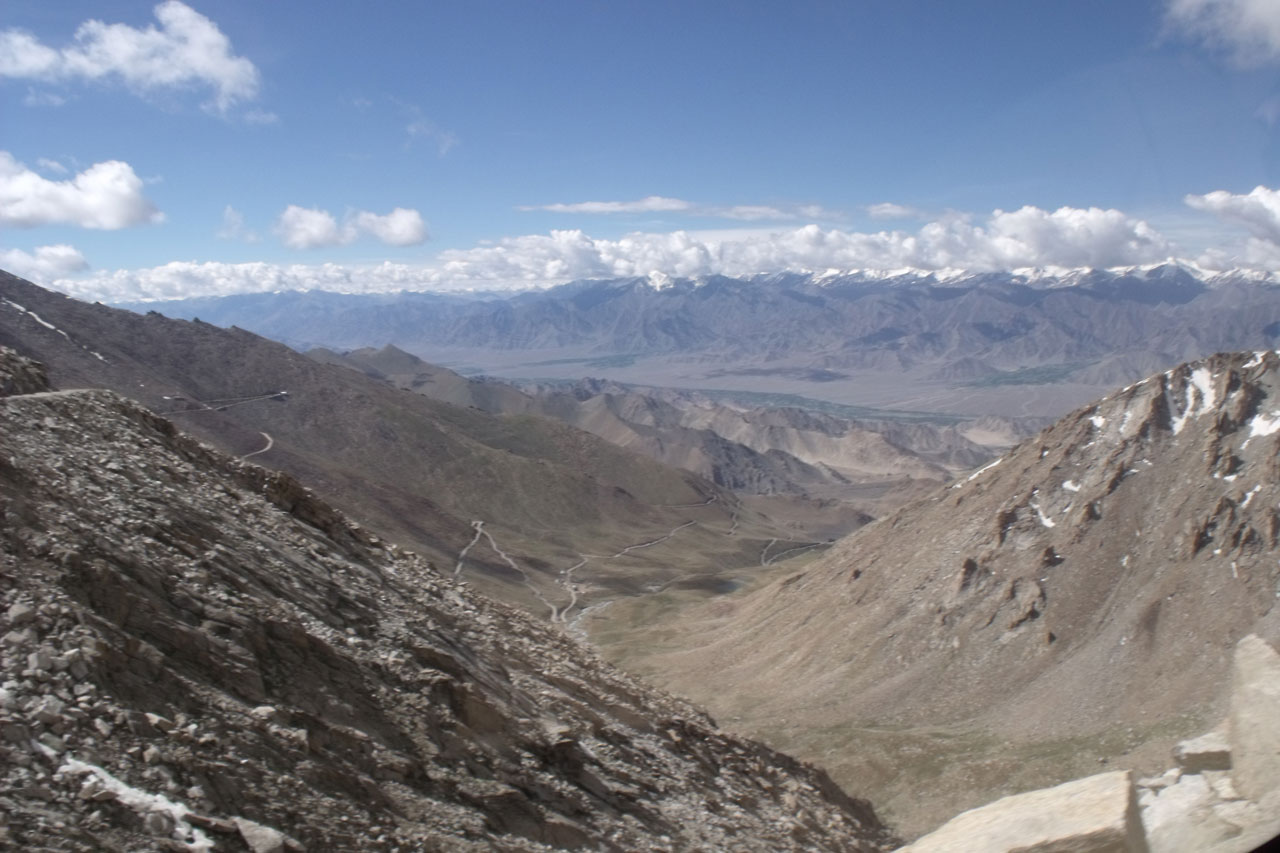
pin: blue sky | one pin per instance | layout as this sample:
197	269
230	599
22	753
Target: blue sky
180	149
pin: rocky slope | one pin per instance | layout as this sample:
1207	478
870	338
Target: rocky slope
1076	601
419	471
200	655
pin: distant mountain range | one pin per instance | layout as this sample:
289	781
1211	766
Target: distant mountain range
1089	322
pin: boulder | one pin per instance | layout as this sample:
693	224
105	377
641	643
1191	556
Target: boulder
1211	751
1098	814
1254	722
259	838
1182	817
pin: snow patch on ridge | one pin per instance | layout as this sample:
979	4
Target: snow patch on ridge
34	316
981	470
1044	519
143	801
1262	424
1201	397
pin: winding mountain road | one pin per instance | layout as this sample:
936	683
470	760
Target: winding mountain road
270	443
565	581
478	526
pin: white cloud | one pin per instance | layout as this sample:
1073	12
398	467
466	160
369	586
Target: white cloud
51	166
48	262
107	195
187	50
400	227
1004	240
420	128
648	204
233	227
817	211
1258	211
311	228
662	204
889	210
1247	30
750	212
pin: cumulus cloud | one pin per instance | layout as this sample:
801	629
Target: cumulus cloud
309	228
1247	30
107	195
45	264
1258	211
1028	237
312	228
400	227
187	50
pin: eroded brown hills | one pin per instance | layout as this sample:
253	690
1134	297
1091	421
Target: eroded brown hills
421	472
1073	604
869	465
201	655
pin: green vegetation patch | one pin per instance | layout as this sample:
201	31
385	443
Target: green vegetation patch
1045	374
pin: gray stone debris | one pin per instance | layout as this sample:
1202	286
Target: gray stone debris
213	642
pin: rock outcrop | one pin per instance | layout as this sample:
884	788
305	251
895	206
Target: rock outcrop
198	654
1094	815
1254	723
1195	807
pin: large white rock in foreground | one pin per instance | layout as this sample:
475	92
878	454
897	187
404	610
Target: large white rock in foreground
1098	814
1255	718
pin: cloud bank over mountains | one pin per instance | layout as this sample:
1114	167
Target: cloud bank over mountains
1004	240
110	196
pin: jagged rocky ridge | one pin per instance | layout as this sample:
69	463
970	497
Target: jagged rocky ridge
199	654
1076	601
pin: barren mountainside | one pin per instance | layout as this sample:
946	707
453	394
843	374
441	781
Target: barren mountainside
749	450
201	655
1075	601
419	471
